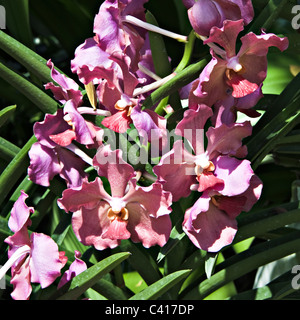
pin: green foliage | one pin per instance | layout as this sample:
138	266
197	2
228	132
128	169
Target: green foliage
269	232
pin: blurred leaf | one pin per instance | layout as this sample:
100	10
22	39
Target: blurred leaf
160	287
210	263
17	20
7	149
6	113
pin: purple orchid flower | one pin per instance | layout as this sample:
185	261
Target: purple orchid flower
130	211
234	74
211	222
206	14
181	171
32	259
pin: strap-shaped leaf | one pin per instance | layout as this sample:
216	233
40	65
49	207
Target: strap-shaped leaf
87	279
32	92
245	262
161	286
6	113
15	169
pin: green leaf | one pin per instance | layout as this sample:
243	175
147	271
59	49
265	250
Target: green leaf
7	149
141	261
210	263
245	262
32	92
87	279
14	170
6	113
17	20
4	229
160	287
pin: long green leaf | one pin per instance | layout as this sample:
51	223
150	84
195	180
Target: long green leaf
7	149
160	287
14	170
245	262
32	92
6	113
87	279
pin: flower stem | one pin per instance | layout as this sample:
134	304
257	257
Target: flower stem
139	23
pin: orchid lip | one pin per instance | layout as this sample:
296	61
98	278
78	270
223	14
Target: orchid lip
20	252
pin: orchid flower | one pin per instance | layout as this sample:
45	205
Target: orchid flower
211	222
181	171
102	219
234	74
32	259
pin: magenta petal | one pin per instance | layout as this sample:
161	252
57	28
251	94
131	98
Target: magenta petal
111	165
209	228
192	125
154	199
227	140
91	63
88	196
44	164
76	267
117	230
21	281
176	171
119	122
20	214
90	225
146	229
68	89
235	173
45	264
226	36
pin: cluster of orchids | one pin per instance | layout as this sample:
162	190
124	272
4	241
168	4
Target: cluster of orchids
207	158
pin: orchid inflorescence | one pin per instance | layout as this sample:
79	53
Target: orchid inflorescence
207	158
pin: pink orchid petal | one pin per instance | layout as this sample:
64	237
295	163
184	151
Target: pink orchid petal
146	229
226	36
64	138
90	224
20	214
176	171
207	180
72	168
21	281
192	125
119	122
44	164
68	88
88	196
227	140
241	86
154	199
111	165
208	227
117	230
45	264
91	63
76	267
235	173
